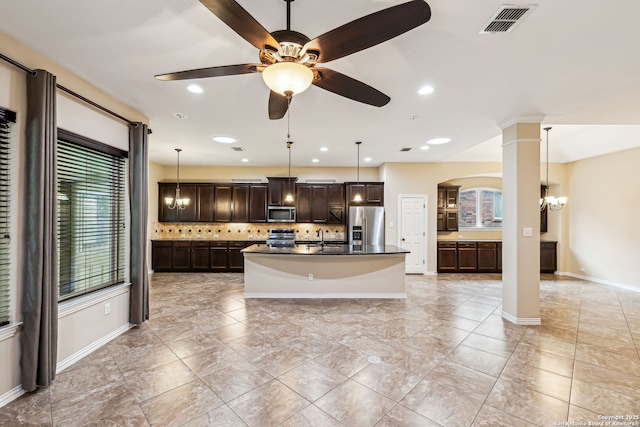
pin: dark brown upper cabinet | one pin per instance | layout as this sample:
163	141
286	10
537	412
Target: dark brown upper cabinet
447	219
278	188
311	203
372	193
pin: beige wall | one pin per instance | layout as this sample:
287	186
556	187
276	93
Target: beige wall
602	213
75	337
227	173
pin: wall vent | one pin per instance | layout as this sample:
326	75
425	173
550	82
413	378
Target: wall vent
405	149
238	149
506	19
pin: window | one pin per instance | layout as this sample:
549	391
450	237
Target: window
91	215
480	208
7	120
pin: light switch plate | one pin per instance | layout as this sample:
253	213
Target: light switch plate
527	232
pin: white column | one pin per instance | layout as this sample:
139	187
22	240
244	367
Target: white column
521	223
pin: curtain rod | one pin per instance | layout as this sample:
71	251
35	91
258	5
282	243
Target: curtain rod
70	92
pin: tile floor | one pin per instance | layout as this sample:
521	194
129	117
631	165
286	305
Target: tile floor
208	357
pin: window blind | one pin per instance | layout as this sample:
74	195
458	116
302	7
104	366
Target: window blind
7	120
91	215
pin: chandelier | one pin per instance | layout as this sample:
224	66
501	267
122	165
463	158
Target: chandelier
553	203
178	202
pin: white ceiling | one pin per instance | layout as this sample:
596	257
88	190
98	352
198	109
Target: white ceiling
574	63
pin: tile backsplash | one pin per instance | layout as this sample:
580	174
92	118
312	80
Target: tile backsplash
240	231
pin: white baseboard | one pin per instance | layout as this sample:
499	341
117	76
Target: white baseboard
600	281
327	295
11	395
431	273
62	365
524	321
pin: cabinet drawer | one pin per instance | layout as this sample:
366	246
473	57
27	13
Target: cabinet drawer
446	244
199	244
486	245
218	244
466	245
162	243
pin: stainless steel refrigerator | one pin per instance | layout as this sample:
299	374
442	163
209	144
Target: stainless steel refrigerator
366	225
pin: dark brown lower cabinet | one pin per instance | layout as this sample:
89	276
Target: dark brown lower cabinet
447	256
218	256
488	257
181	256
548	259
467	256
485	257
198	256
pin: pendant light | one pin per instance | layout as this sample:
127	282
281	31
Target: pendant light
177	202
289	197
357	198
553	203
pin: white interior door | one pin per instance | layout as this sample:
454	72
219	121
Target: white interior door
412	232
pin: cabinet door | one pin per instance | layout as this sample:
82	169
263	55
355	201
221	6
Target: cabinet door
487	257
451	220
181	256
236	258
218	256
442	197
258	203
303	203
279	188
164	213
499	256
335	195
467	256
200	256
352	190
222	203
451	198
548	259
440	223
205	209
375	194
447	257
240	199
161	255
319	206
188	214
543	213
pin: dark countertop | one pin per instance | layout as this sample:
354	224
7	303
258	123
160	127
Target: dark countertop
327	249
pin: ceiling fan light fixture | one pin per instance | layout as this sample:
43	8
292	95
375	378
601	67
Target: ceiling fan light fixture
283	77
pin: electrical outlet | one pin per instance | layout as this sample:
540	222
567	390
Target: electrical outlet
583	269
107	308
251	236
310	276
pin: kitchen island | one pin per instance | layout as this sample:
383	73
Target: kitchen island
324	271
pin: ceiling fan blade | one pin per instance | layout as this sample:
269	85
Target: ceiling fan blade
240	21
278	105
370	30
348	87
200	73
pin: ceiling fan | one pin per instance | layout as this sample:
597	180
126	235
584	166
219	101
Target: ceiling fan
288	58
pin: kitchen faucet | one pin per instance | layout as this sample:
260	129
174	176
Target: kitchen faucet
321	233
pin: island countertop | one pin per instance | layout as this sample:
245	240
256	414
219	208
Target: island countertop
327	249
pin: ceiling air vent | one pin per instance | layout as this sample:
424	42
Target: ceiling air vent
506	19
238	149
405	149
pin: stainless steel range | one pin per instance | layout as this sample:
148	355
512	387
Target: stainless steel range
281	237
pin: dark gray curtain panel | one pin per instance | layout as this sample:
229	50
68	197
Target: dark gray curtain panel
39	337
139	198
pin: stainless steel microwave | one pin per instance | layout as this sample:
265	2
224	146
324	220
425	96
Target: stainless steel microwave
281	214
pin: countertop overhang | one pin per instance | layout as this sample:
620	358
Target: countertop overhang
327	249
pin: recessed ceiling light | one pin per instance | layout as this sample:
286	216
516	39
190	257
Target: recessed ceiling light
224	139
245	160
424	147
438	141
367	159
194	88
426	90
315	160
324	149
